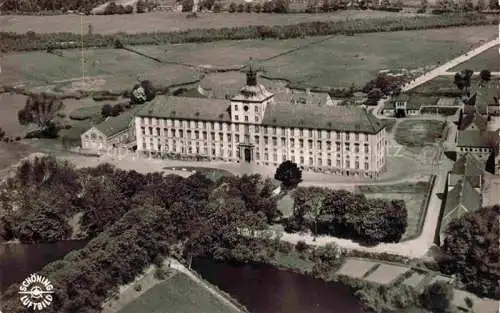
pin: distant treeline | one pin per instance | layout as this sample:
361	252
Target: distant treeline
51	5
31	41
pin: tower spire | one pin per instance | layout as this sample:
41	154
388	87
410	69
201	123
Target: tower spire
251	74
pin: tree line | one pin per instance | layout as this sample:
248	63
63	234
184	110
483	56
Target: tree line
343	214
31	41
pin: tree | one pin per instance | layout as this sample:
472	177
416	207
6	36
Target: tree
41	111
493	5
485	76
463	79
232	7
248	7
490	163
325	6
423	6
240	8
257	7
268	7
217	7
187	5
106	110
481	5
437	297
313	211
140	6
471	250
281	6
142	92
289	174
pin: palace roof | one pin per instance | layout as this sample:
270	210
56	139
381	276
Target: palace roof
477	139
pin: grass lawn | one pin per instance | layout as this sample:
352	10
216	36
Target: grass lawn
106	69
292	260
412	194
165	21
489	60
344	60
10	104
443	83
414	280
13	152
285	205
418	133
389	123
179	294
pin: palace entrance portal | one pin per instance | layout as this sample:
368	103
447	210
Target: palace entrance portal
246	153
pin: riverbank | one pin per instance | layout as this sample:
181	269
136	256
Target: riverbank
174	279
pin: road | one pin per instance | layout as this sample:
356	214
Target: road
443	69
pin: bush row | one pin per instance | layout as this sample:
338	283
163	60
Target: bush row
35	41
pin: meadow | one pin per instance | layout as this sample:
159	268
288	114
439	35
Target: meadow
489	59
178	294
346	60
166	22
105	69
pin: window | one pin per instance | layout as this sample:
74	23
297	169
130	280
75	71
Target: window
301	160
265	130
301	132
274	130
292	142
235	107
229	137
301	143
196	134
310	144
142	128
237	127
275	157
310	133
256	109
320	162
311	161
356	147
356	164
329	162
328	135
256	140
256	119
338	136
356	137
205	137
366	165
283	141
347	146
237	138
366	148
338	163
212	136
257	128
347	136
328	145
220	126
211	126
347	164
366	137
181	133
246	118
266	156
319	145
221	137
293	158
275	142
144	146
283	158
257	155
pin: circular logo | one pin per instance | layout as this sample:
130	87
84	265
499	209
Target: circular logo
36	292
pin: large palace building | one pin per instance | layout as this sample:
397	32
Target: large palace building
259	127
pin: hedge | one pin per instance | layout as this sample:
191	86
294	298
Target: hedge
33	41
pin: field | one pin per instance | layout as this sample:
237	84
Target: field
385	274
106	69
165	22
179	294
490	59
412	194
418	133
344	60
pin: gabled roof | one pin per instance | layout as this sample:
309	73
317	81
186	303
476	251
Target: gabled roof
187	108
477	139
468	167
459	201
116	124
311	115
474	118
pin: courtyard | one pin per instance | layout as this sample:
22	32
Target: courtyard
418	133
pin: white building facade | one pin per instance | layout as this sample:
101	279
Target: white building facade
256	127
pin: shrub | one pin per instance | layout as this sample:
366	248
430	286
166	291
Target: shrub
232	7
301	246
240	8
257	7
217	7
137	287
248	7
160	274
